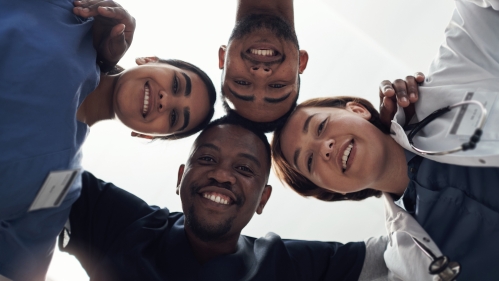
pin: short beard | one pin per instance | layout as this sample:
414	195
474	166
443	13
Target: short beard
278	26
207	233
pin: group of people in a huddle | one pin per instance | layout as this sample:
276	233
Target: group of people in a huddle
59	76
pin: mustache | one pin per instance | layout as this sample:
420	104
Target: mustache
196	187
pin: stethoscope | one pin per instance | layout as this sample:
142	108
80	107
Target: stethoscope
474	139
444	269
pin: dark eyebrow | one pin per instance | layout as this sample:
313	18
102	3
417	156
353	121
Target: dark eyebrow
244	98
295	158
187	115
277	100
251	158
209	145
305	125
187	91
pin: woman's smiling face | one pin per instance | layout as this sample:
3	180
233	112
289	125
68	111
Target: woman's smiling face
337	149
158	98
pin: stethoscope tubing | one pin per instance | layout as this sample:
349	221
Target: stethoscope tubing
465	146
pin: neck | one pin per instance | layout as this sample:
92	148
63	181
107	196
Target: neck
281	8
394	178
98	105
205	251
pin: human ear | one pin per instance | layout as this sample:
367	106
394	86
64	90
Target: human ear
221	56
179	177
267	190
303	61
144	60
358	108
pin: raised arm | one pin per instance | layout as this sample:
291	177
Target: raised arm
113	30
282	8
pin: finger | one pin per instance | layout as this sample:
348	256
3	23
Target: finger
401	92
117	13
386	88
387	111
94	3
412	88
84	12
419	77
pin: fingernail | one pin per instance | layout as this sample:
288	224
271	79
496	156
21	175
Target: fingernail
404	99
412	95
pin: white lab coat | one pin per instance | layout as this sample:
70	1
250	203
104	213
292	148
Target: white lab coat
468	61
396	256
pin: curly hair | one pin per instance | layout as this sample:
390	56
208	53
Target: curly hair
300	183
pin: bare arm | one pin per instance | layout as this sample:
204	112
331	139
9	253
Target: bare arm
282	8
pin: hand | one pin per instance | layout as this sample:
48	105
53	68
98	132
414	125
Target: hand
392	93
112	30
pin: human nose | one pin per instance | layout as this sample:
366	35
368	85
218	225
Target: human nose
261	70
163	101
222	175
326	150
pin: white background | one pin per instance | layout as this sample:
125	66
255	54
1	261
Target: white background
353	45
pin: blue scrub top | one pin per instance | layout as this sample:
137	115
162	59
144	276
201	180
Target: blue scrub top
459	208
48	67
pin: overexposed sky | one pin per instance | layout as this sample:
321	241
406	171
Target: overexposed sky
352	45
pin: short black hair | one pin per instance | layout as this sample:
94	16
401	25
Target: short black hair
230	120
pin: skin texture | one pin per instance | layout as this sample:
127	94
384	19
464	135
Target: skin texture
375	161
167	102
112	30
122	96
230	162
252	76
402	92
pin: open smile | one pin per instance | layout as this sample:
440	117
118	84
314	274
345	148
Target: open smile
264	53
147	103
346	158
218	197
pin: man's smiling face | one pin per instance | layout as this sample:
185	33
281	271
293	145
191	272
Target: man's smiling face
224	182
260	68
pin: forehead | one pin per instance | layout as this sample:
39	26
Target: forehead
232	140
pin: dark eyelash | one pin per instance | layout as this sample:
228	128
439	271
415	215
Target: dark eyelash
321	127
207	158
309	163
246	169
173	118
175	84
277	86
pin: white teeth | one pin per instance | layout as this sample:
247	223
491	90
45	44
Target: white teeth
346	153
262	52
146	99
217	199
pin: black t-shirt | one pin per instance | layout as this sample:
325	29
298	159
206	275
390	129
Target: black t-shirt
117	236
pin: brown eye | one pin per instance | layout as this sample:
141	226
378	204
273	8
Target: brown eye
173	118
175	85
321	127
277	86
